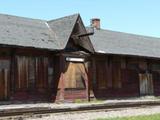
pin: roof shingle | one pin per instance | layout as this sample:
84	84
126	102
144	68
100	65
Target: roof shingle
111	42
36	33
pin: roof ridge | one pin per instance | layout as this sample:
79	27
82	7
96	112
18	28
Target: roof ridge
76	14
22	17
134	34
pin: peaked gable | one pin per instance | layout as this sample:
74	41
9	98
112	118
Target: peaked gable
84	41
66	27
62	29
79	37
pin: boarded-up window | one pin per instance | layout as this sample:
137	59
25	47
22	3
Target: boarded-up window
75	75
32	72
108	73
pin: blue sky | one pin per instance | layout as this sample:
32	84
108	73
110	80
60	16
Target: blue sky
132	16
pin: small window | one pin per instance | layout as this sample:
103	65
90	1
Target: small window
4	64
155	67
133	66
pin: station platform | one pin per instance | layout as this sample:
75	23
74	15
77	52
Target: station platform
10	107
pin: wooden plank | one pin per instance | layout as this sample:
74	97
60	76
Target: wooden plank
109	75
13	69
150	84
146	84
60	82
86	78
101	74
94	75
6	83
1	86
117	75
142	84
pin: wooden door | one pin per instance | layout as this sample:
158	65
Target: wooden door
76	80
146	84
75	76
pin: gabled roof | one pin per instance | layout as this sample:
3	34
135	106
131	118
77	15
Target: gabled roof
111	42
62	29
36	33
54	35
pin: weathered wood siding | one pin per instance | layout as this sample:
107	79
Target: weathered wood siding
155	68
4	84
156	83
113	78
31	74
31	77
73	81
27	74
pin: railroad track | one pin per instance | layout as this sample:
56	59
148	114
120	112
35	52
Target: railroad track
22	113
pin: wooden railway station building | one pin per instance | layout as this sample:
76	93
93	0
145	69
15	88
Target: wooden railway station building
62	60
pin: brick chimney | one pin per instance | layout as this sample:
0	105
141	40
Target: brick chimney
95	22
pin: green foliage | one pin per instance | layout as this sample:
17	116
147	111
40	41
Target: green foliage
79	101
147	117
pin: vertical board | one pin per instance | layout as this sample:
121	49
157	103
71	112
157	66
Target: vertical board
116	74
146	84
101	74
41	73
4	84
1	85
4	78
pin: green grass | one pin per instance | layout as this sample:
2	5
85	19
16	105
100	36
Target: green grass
85	101
147	117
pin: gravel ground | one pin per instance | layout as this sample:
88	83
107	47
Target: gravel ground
102	114
89	115
74	105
